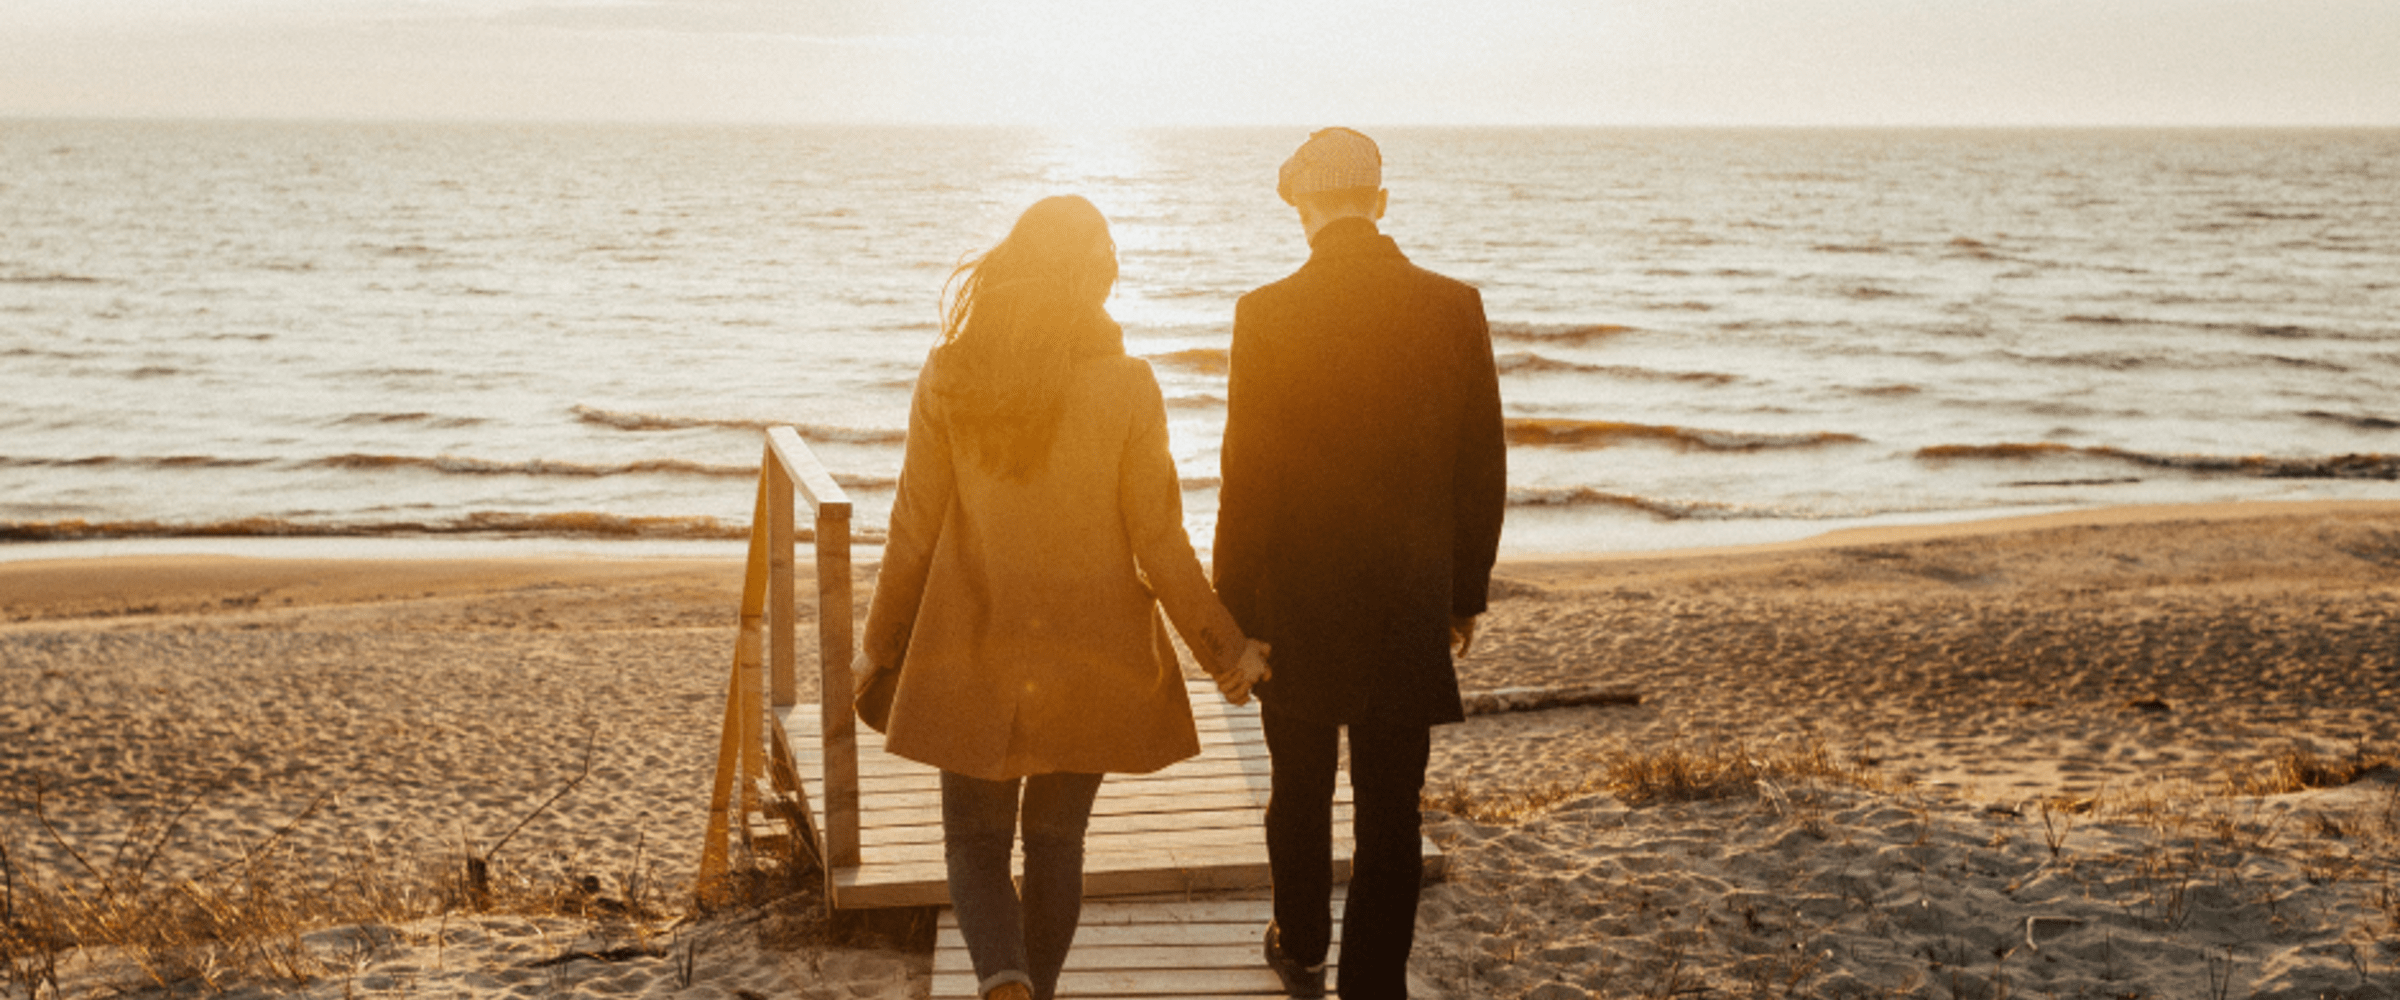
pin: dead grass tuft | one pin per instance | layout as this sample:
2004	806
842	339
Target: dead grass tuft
247	920
2299	768
1730	770
1511	805
1669	775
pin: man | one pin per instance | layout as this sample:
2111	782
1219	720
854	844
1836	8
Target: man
1365	474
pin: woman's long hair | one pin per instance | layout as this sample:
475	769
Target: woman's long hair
1016	319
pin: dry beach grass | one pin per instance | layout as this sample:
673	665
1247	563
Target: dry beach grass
2101	755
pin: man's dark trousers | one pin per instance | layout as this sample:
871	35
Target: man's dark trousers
1387	775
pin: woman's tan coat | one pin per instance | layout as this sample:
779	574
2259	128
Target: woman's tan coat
1031	644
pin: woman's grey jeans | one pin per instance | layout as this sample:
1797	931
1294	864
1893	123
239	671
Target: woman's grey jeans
1012	936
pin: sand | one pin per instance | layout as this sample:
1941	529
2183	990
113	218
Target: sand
2048	708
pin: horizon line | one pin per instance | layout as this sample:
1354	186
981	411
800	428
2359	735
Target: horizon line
703	122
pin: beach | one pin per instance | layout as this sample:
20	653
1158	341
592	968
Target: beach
2021	757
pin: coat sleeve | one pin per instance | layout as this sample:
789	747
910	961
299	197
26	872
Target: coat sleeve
1244	478
1151	495
927	484
1481	476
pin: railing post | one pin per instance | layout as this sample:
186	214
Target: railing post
782	617
834	647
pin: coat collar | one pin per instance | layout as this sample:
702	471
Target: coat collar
1345	239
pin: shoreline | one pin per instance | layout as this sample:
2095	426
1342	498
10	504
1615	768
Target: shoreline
568	549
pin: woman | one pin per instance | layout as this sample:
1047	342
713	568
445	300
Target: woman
1038	518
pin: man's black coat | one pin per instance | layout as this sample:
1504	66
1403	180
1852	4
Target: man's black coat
1364	480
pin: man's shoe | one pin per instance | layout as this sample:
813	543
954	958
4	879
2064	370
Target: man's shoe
1303	981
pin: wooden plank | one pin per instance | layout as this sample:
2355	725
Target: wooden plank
1102	942
1126	825
915	812
924	885
1150	948
1213	740
1253	981
1189	778
1231	907
1130	850
883	772
805	471
1216	732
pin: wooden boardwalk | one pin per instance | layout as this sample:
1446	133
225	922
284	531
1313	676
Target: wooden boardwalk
1150	947
1199	825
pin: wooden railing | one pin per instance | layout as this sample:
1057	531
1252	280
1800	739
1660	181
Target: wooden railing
754	764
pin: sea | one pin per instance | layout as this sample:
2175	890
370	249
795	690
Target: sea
397	338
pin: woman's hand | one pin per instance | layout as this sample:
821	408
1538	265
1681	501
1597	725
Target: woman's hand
862	670
1235	684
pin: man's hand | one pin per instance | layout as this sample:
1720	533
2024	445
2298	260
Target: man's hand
1462	634
862	670
1235	684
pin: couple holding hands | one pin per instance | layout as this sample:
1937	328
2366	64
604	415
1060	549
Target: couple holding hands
1039	526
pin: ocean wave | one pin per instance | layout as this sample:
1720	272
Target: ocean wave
54	278
1527	362
1972	247
1557	333
135	462
1553	432
428	419
2362	421
625	421
2270	331
457	465
573	524
2352	466
1585	496
1205	360
1886	389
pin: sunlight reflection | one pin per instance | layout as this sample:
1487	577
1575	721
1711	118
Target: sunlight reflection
1119	171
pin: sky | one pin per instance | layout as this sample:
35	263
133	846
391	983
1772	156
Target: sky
1130	63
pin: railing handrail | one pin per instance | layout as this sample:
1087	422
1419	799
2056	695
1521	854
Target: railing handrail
787	472
800	465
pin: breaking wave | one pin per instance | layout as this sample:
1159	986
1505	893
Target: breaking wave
457	465
2272	331
1585	496
574	524
444	464
1527	362
428	419
48	279
658	422
135	462
2353	466
2362	421
1557	333
1552	432
1205	360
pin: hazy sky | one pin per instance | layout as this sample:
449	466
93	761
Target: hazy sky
1129	62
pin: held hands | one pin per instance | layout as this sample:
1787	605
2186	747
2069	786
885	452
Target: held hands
1235	684
1462	634
862	670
